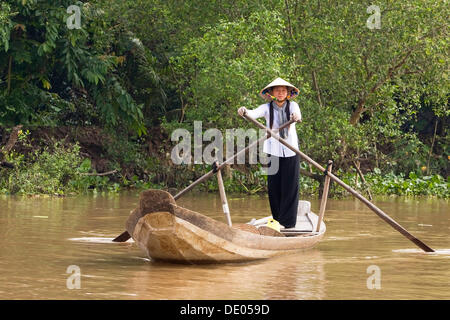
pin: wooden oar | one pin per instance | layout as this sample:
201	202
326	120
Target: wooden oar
374	208
223	197
323	202
124	236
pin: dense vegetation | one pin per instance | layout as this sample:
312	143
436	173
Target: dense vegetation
104	97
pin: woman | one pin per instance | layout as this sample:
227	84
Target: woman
283	185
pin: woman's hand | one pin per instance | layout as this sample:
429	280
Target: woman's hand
296	117
242	111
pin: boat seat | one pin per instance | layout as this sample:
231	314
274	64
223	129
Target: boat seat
304	207
304	223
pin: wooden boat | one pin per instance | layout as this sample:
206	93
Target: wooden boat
168	232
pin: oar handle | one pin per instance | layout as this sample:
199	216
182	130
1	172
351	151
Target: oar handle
223	197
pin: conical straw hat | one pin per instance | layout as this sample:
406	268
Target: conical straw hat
292	90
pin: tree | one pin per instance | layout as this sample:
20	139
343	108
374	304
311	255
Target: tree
353	66
44	58
362	71
227	66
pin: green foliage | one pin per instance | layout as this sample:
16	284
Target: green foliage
17	106
45	172
325	133
377	96
393	184
357	67
413	185
359	87
6	25
56	170
228	64
253	182
43	57
83	182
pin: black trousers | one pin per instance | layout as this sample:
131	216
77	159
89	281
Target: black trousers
283	189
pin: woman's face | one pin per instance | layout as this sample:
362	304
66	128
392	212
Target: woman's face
280	93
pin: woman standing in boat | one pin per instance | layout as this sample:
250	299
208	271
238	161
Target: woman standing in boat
283	185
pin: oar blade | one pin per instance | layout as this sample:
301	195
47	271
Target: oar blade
124	236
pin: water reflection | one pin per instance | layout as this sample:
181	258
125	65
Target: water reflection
297	276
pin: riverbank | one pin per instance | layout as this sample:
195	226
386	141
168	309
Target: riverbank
119	87
61	167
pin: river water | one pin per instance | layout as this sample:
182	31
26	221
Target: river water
361	257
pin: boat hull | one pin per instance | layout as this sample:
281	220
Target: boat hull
184	236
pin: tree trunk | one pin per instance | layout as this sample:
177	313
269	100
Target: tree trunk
8	89
360	109
316	87
9	145
356	115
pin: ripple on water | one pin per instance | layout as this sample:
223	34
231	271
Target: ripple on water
95	240
438	251
338	238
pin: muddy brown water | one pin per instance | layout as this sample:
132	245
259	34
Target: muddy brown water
360	257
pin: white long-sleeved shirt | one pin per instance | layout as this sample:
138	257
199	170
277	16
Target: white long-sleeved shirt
271	145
